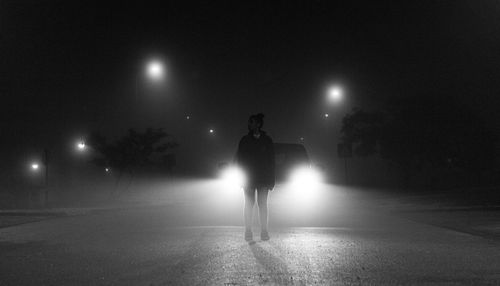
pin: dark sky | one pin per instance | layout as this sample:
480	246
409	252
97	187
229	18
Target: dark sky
69	67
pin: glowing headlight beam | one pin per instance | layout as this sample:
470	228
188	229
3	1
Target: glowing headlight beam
305	177
233	176
304	187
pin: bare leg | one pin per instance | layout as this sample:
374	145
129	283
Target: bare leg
262	194
249	203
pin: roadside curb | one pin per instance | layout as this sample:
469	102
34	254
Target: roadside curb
45	212
446	209
61	212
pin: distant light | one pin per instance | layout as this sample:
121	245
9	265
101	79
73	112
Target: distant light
211	131
301	138
35	166
326	115
107	170
188	117
81	145
155	70
335	94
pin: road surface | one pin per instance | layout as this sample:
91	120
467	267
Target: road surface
190	234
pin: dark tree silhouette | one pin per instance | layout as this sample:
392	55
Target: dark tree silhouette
418	133
131	151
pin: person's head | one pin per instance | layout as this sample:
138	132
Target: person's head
255	122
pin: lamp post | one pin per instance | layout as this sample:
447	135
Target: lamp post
81	145
154	70
35	167
335	94
46	165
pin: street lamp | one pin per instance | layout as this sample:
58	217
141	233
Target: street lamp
335	94
35	167
155	70
81	146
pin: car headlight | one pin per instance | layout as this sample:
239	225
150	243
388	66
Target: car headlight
305	177
304	188
233	176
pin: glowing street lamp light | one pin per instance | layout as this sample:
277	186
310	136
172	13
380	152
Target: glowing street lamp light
326	115
81	145
35	166
155	70
211	131
335	94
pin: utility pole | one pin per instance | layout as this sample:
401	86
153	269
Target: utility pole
46	165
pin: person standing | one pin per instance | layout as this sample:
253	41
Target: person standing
255	156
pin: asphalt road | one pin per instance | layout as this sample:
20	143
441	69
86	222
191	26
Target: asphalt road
190	233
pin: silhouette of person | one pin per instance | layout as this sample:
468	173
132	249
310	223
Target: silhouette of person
255	156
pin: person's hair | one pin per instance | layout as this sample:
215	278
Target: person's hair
259	118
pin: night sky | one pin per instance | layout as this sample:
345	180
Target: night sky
70	67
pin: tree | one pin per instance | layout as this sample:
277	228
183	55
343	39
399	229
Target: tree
421	133
131	151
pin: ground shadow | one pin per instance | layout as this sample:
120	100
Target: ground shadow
276	269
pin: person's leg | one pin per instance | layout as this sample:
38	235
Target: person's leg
249	203
262	194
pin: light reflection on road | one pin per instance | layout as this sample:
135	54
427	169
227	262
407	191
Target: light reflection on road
216	203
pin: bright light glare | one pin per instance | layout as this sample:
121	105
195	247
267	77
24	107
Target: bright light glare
233	176
211	131
335	94
304	178
229	187
81	145
35	166
155	70
304	188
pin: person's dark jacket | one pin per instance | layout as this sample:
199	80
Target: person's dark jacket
256	157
